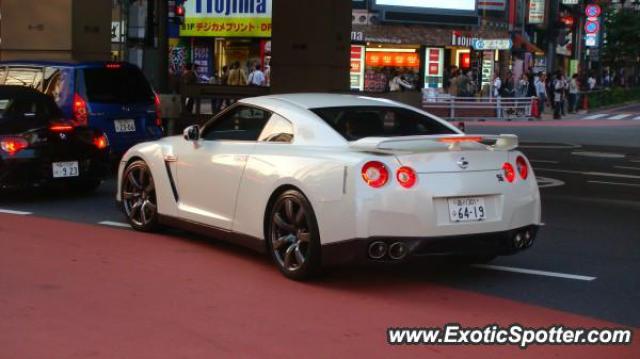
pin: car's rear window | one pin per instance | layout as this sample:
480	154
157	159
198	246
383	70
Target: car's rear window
356	122
116	85
24	112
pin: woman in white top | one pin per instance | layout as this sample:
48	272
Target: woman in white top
396	83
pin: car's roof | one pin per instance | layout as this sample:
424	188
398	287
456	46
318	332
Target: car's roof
320	100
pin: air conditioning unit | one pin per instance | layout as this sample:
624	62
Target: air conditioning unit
364	17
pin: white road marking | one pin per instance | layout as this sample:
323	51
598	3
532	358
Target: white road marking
19	213
597	116
637	118
115	224
616	183
598	154
628	168
620	116
535	272
546	182
599	174
544	161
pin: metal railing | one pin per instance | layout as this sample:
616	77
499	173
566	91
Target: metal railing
480	108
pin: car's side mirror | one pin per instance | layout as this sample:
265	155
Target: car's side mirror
192	133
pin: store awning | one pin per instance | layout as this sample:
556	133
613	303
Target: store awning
522	44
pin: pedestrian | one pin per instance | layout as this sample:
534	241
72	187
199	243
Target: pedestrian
188	78
237	76
256	77
565	95
463	83
574	91
453	83
541	91
522	88
508	85
397	83
591	82
558	89
497	86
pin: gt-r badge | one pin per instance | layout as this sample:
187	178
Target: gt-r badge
463	163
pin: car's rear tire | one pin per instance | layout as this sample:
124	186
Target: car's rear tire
293	237
139	197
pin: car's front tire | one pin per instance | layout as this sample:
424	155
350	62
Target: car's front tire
293	237
139	197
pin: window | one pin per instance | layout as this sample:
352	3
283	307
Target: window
24	76
242	123
116	85
23	113
278	129
357	122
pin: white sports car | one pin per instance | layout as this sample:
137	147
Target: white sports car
321	179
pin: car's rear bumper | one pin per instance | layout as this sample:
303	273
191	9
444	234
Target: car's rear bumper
357	251
25	172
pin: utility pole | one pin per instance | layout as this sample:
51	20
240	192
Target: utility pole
554	7
163	46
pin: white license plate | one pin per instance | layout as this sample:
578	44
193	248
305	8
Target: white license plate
467	209
65	169
125	125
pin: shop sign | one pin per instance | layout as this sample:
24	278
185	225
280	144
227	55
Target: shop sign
536	11
117	36
570	2
492	44
457	39
357	67
227	18
392	59
434	58
357	36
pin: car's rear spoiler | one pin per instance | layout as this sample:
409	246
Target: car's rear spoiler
412	143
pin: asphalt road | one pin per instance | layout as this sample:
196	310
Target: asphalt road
208	295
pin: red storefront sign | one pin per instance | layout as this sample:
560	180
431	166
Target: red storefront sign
393	59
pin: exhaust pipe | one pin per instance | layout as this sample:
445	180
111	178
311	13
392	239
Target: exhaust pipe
398	250
518	241
528	238
377	250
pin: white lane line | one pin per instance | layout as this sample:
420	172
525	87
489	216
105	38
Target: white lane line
115	224
544	161
19	213
616	183
597	116
627	168
534	272
598	154
598	174
620	116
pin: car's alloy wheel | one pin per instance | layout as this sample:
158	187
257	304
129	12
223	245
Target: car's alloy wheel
139	197
293	236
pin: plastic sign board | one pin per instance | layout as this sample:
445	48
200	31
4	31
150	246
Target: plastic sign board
491	44
227	18
536	11
356	73
464	5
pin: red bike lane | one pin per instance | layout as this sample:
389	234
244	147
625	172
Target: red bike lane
71	290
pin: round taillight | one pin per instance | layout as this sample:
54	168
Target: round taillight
522	167
375	174
406	176
509	172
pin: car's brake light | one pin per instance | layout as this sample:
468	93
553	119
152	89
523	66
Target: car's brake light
113	66
158	113
375	174
406	177
522	167
101	141
13	145
509	172
459	139
80	111
60	127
